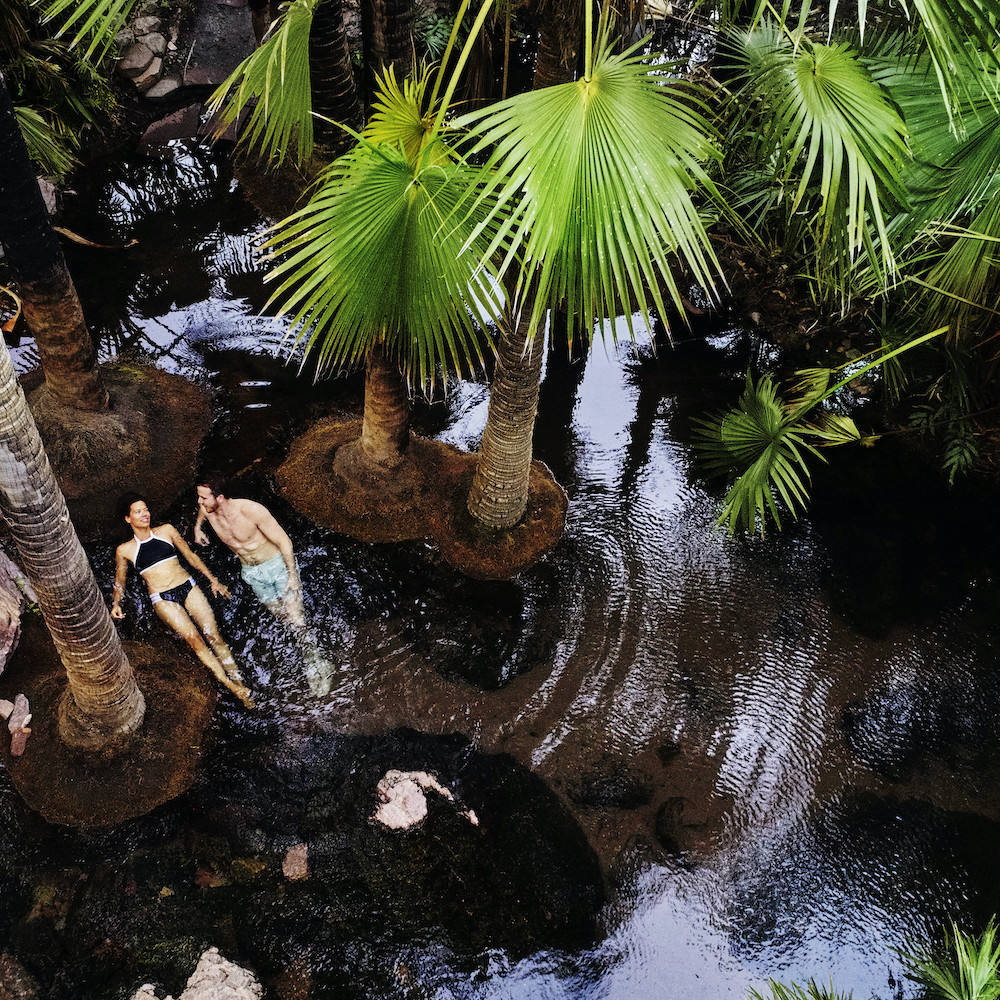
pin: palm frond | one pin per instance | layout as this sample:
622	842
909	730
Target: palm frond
382	254
599	178
830	129
401	114
971	972
764	450
47	146
273	82
91	24
792	991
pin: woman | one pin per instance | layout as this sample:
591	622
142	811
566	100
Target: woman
176	598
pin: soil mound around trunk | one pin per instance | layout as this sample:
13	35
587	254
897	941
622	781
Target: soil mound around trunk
128	778
147	440
424	497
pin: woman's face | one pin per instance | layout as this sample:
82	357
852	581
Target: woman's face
138	515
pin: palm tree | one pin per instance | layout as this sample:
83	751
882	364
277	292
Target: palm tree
599	176
32	251
103	697
388	265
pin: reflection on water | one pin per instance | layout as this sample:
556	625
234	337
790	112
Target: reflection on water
781	753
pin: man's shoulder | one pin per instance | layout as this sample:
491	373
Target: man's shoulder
249	508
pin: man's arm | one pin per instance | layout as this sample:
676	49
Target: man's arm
200	538
192	560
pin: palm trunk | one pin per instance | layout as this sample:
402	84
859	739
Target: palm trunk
331	75
385	425
385	429
51	307
105	699
499	494
386	37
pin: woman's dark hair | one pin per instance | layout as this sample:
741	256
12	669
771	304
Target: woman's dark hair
125	502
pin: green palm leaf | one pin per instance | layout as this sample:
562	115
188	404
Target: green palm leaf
46	146
972	974
274	82
765	450
92	23
599	178
834	131
402	115
383	254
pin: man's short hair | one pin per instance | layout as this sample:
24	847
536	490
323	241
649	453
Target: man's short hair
215	481
125	502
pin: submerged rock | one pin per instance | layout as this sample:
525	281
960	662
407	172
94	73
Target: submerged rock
215	978
402	802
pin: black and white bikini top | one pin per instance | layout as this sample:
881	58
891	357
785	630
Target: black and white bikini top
152	551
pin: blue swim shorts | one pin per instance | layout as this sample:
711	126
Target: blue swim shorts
267	580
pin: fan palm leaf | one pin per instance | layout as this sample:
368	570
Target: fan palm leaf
92	24
829	128
757	438
599	177
973	974
762	444
274	83
46	146
382	254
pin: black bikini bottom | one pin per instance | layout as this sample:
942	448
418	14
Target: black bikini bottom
178	594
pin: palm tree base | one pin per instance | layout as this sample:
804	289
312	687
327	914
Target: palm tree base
427	500
131	774
147	440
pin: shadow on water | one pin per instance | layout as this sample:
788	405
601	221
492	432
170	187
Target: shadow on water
696	762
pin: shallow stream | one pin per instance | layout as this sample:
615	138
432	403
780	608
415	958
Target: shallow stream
696	762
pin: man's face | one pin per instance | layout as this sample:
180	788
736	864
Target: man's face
207	500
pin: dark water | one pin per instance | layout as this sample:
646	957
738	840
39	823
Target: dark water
697	762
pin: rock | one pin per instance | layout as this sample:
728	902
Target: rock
402	803
156	43
296	863
151	74
146	25
6	707
161	89
147	992
15	982
182	124
217	979
19	713
18	741
134	61
124	39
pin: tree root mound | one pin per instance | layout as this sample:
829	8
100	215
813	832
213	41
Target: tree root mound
148	441
131	775
426	499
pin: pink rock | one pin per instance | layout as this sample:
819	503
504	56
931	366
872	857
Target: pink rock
6	707
19	714
18	741
296	863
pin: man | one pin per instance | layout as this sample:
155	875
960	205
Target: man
264	549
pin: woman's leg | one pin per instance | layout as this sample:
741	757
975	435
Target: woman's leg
181	622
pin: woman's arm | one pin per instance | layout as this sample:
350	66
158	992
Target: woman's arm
118	591
191	558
